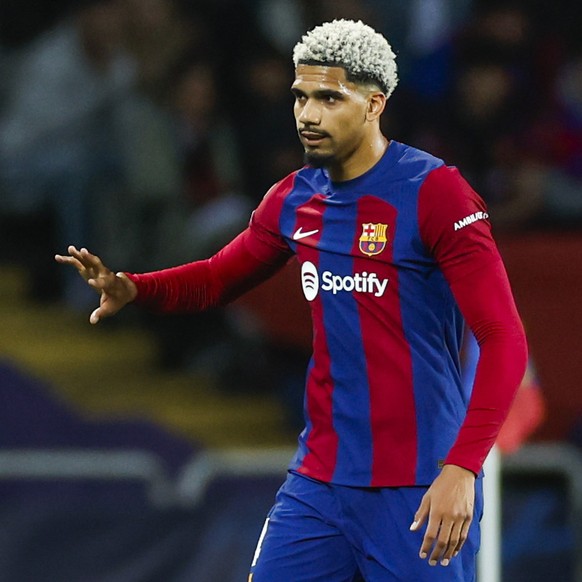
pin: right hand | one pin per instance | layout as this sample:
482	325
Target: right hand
116	290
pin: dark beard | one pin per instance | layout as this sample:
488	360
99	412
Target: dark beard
317	160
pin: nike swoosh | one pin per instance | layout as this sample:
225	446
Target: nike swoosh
299	234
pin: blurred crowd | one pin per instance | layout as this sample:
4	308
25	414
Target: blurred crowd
148	130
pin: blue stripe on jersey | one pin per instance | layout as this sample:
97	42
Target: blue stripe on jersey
340	314
351	402
427	306
302	448
287	225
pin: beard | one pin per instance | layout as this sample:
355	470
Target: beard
316	160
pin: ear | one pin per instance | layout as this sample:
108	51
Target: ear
376	105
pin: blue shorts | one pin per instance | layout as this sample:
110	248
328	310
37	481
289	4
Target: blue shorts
318	532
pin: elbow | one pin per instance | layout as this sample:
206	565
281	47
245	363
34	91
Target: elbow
506	342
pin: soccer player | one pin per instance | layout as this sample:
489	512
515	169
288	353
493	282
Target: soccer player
396	253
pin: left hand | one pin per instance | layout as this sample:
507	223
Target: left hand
448	505
116	290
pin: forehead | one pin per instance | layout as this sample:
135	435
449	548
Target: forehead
322	77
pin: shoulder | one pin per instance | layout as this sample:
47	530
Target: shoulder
434	172
447	204
269	210
446	184
281	188
414	162
305	179
304	175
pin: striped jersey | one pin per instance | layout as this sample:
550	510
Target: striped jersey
389	261
384	401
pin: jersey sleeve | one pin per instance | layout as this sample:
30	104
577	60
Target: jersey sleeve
454	223
252	257
264	223
454	226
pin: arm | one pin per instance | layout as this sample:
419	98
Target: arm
471	264
238	267
242	264
487	304
253	256
485	300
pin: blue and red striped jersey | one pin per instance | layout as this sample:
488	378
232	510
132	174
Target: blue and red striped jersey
384	400
389	262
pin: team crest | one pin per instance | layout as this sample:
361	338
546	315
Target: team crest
373	239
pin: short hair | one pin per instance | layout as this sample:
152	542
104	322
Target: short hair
363	53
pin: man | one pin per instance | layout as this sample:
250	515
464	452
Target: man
394	246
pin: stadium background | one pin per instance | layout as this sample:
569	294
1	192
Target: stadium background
149	449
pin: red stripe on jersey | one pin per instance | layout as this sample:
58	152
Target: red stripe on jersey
322	440
392	407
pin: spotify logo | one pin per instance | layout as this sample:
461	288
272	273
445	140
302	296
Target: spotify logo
309	280
358	283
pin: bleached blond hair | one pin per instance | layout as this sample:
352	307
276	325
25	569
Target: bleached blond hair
363	53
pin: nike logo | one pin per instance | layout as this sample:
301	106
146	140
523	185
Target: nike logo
299	234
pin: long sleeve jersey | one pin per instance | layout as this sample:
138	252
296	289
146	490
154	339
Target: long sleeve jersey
393	263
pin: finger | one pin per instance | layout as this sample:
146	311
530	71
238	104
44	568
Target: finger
69	261
454	537
87	259
441	544
104	310
74	252
421	514
101	283
463	536
430	536
107	308
91	260
95	316
78	260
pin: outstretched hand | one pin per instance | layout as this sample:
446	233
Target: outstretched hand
116	289
448	505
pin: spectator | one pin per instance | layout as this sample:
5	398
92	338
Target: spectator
551	176
266	79
57	146
211	208
488	109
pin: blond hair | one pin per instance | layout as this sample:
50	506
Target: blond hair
363	53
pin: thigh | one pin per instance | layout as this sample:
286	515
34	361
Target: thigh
378	523
299	542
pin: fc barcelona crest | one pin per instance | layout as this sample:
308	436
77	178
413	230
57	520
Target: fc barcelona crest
373	239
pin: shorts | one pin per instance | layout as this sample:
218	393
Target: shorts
320	532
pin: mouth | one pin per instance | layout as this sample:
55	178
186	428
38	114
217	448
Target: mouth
312	138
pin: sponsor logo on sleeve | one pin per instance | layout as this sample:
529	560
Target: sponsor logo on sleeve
470	219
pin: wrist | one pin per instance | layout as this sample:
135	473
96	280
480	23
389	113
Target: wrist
129	285
450	468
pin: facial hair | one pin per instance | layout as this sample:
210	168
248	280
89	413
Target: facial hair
318	160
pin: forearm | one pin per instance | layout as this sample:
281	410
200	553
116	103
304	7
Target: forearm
488	307
238	267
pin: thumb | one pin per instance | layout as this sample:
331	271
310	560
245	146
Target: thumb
94	317
421	514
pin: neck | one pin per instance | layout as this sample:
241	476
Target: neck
366	156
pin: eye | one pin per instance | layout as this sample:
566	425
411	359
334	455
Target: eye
331	98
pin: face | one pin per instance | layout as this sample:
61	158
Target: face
333	115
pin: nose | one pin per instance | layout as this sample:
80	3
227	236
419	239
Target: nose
310	113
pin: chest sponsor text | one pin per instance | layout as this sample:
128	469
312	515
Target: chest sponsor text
364	282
